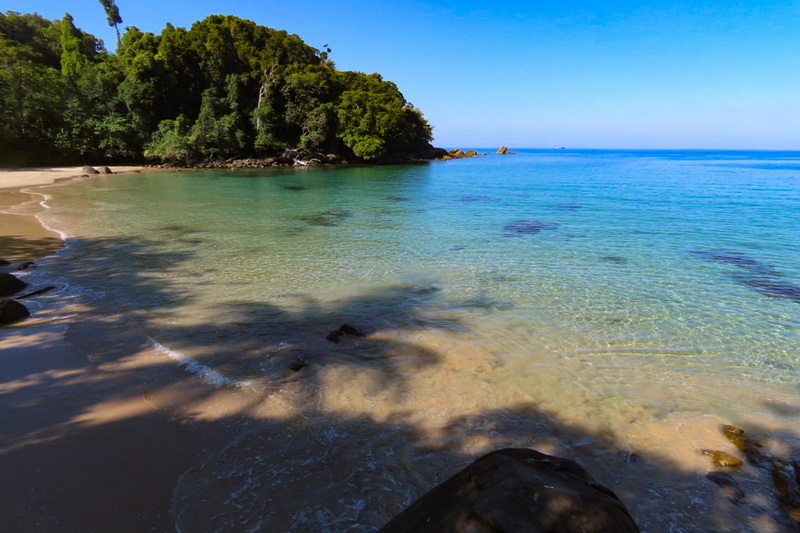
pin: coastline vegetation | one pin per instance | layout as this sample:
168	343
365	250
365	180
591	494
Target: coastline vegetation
224	88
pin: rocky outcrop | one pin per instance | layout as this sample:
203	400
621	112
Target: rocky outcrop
503	150
516	490
455	153
10	284
12	311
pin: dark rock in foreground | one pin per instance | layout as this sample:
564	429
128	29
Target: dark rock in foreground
10	284
516	490
12	311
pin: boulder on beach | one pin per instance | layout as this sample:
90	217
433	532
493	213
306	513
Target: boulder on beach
12	311
89	170
105	170
10	284
515	490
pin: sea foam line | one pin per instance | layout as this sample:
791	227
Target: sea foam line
193	366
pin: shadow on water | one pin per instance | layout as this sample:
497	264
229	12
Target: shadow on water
14	247
130	443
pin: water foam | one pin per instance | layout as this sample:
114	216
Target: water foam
195	367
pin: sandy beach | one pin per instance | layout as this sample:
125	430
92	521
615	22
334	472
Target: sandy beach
81	448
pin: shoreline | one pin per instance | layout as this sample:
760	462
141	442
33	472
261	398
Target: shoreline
23	236
91	407
82	447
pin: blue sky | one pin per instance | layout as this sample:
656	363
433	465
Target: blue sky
587	74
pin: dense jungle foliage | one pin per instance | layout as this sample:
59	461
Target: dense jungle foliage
227	87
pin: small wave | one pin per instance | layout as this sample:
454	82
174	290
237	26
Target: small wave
208	375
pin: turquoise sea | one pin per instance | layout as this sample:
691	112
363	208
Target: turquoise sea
611	289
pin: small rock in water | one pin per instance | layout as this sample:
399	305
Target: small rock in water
730	488
10	284
347	329
614	259
297	365
722	458
12	311
3	262
334	336
26	265
294	188
751	449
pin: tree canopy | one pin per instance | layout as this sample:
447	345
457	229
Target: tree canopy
225	87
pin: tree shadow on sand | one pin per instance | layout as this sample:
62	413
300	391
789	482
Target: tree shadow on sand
127	441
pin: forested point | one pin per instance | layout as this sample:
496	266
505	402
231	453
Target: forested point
225	88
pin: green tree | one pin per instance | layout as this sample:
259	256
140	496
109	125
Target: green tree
112	14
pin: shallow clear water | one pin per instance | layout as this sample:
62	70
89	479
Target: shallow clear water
665	279
545	299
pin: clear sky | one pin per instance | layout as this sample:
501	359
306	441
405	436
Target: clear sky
583	73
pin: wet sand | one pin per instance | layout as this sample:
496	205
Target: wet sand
99	431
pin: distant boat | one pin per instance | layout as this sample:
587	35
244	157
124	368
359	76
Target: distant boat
560	147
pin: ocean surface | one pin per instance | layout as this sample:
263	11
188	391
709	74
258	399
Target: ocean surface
610	291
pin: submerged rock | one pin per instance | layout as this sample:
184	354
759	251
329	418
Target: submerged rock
294	188
475	198
730	487
771	286
10	284
528	227
418	289
613	259
516	490
12	311
328	218
567	207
